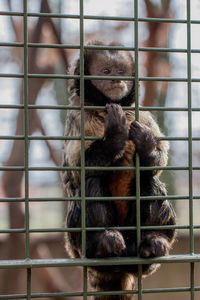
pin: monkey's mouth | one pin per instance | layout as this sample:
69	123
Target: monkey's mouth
116	92
116	86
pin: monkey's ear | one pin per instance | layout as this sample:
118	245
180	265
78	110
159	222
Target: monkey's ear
95	43
116	44
77	68
73	84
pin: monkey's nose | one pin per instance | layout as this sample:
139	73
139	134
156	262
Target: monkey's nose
116	81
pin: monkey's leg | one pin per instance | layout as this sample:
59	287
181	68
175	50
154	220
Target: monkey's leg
103	243
73	239
107	150
152	151
155	213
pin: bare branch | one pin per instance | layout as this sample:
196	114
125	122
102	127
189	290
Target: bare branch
158	37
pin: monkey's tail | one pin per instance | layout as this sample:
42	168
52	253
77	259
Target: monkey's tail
111	281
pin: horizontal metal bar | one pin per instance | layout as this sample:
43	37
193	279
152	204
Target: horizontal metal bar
9	44
96	17
65	138
168	168
66	262
42	295
67	46
95	47
6	168
89	293
68	107
12	200
130	198
79	229
87	77
47	76
9	75
141	168
11	106
21	137
13	230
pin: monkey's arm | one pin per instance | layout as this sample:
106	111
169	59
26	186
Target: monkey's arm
104	152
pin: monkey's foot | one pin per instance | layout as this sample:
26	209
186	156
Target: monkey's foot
111	243
154	245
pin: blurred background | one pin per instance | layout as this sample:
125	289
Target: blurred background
49	215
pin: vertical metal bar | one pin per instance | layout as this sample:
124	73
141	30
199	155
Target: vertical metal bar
28	284
138	221
189	83
192	291
26	129
26	144
83	202
82	129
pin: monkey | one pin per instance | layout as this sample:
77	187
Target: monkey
121	138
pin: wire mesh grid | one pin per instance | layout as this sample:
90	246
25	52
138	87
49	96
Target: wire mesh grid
28	263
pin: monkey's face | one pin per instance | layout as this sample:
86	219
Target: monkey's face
117	64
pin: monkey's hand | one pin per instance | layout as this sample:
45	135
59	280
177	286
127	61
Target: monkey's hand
116	133
154	245
111	148
143	138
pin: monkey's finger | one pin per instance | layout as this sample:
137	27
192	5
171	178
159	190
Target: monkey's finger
111	107
113	113
136	124
117	112
121	113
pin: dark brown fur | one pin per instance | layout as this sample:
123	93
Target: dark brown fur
122	137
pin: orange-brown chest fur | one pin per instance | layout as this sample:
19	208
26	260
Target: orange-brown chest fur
119	182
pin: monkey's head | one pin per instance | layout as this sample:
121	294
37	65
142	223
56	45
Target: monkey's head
106	63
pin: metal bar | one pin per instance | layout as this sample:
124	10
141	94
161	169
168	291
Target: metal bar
138	219
26	147
28	284
56	199
192	281
64	138
190	126
88	77
26	125
191	221
83	223
76	294
68	46
82	102
66	262
96	17
78	229
168	168
68	107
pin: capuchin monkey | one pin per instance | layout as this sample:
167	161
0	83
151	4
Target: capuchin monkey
122	136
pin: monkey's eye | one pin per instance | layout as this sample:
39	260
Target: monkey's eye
106	71
120	71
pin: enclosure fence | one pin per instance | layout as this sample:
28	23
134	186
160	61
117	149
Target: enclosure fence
28	263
